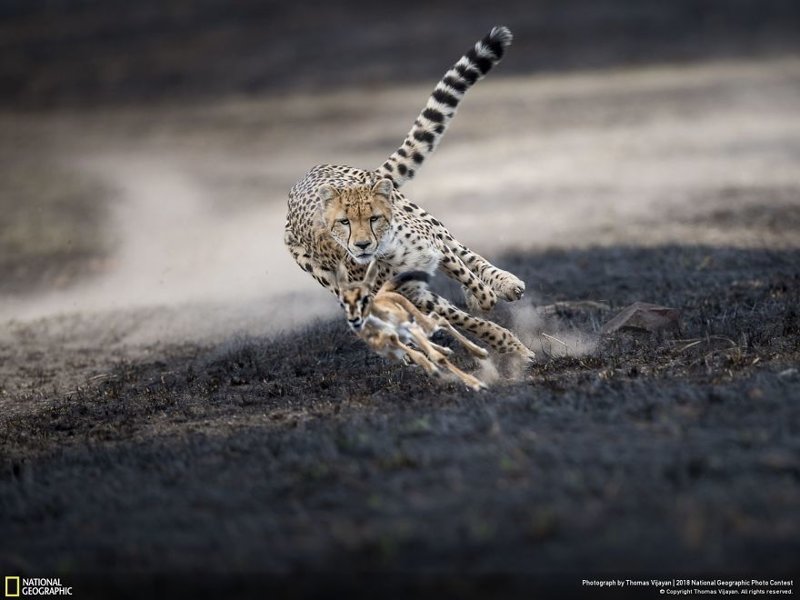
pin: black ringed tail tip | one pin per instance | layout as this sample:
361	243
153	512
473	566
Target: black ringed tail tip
432	122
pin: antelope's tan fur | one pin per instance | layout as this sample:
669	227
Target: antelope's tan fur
389	323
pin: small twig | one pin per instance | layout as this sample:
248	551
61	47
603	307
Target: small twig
555	339
687	346
695	341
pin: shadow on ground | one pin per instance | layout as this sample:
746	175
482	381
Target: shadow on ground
306	454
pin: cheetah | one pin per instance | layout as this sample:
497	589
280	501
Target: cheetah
390	324
338	213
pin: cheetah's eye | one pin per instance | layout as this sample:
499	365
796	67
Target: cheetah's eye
344	222
374	219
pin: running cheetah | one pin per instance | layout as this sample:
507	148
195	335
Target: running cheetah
343	213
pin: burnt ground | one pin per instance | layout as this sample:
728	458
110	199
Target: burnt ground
671	453
173	421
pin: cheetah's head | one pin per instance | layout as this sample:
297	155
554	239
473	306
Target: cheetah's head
358	218
356	297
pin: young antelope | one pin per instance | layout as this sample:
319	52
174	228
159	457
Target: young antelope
389	323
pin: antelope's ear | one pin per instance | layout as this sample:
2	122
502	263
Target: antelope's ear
342	276
384	188
326	193
372	274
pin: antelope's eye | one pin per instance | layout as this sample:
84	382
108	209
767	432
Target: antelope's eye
374	219
344	222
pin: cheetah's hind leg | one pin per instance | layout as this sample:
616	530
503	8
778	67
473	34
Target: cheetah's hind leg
499	338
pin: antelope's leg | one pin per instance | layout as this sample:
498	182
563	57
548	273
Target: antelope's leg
473	348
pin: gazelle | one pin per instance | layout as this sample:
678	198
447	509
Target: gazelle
389	323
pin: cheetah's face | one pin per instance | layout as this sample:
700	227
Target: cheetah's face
358	218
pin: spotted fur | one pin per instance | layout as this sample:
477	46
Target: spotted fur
341	213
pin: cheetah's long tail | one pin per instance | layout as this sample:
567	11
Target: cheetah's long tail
432	122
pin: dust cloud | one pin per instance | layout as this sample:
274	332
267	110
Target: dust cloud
544	333
183	268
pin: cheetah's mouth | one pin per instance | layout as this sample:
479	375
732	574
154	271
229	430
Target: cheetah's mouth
363	258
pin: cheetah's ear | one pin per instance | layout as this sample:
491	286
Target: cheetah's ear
326	193
342	276
384	188
372	274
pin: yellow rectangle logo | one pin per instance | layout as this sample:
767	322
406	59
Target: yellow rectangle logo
12	587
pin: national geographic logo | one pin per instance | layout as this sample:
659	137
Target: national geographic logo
35	586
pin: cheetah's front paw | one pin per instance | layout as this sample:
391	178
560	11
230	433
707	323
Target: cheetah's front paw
509	287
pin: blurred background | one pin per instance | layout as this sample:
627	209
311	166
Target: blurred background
84	52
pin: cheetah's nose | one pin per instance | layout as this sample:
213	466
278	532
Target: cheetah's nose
362	245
